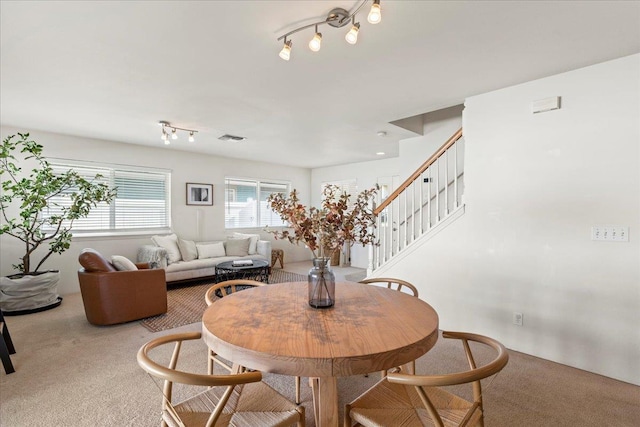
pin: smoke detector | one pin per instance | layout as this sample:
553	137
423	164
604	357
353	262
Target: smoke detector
227	137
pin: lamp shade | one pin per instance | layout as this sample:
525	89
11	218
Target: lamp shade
285	53
374	14
316	42
352	35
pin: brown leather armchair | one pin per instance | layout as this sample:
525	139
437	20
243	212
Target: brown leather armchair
111	296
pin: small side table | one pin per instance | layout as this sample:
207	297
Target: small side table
277	255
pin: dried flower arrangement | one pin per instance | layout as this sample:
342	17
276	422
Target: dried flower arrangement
326	229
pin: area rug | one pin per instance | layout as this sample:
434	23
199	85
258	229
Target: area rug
356	277
186	303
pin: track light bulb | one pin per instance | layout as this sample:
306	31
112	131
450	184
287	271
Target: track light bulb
164	135
174	134
191	138
316	42
352	35
285	53
374	14
167	141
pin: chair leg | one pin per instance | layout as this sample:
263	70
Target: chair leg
313	383
6	347
5	334
5	350
347	416
303	418
210	362
297	390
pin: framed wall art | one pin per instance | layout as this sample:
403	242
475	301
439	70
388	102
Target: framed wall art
199	194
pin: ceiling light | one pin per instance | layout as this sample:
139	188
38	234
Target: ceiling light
316	41
382	133
337	18
352	35
374	14
174	132
380	153
285	53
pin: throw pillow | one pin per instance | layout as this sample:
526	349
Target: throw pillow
188	249
91	260
237	247
253	241
170	243
210	250
123	263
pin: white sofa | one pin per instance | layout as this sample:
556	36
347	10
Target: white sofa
185	260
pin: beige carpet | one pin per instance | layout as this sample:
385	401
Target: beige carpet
72	374
185	304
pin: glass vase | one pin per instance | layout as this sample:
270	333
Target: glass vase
322	284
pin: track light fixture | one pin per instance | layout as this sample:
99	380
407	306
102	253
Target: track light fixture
336	18
168	128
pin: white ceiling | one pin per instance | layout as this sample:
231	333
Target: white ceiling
111	70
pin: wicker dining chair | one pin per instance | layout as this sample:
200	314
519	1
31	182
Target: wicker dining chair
228	287
418	400
236	399
396	285
221	290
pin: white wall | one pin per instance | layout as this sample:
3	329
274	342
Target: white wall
189	222
535	184
438	126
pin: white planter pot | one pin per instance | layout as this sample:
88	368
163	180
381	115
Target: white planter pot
29	293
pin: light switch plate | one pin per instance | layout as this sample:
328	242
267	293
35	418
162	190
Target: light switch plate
610	233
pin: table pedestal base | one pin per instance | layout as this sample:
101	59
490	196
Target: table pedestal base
325	400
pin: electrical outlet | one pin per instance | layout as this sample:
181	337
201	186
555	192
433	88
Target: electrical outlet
517	319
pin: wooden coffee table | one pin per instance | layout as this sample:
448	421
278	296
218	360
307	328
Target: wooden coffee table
273	329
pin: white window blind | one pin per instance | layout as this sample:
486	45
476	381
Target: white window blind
142	202
348	186
246	203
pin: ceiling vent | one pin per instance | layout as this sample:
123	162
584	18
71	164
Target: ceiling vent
227	137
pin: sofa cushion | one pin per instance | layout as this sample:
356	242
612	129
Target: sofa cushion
237	247
188	249
170	243
210	250
253	241
123	263
92	261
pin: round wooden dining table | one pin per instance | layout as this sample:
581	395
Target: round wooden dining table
273	329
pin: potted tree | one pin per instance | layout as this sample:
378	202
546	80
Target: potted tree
39	210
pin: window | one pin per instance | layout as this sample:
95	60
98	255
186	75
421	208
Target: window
245	203
348	186
142	203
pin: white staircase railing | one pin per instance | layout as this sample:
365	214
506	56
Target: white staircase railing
430	195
